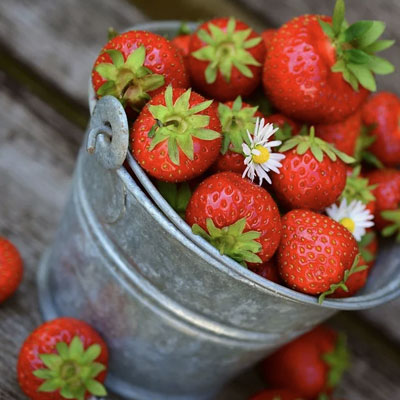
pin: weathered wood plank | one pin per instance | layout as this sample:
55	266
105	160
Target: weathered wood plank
277	12
61	39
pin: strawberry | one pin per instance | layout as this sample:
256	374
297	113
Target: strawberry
312	176
181	42
311	365
358	188
382	112
63	359
387	194
236	119
236	216
268	270
276	394
287	125
320	70
343	135
226	58
316	254
267	36
176	137
368	246
137	65
10	269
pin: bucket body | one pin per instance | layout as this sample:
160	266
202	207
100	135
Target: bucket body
179	319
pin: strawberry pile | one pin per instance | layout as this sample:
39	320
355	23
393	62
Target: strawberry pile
269	146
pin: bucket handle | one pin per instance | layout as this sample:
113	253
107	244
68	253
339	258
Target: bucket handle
108	136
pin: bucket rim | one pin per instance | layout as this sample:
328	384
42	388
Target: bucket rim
153	200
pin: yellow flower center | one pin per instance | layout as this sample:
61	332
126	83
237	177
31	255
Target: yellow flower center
263	156
348	223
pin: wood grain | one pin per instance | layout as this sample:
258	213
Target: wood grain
61	38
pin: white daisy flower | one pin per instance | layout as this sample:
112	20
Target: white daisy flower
354	216
259	158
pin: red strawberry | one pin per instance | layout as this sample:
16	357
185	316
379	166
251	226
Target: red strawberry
368	246
319	70
182	43
236	119
176	137
343	135
276	394
316	253
267	36
10	269
382	112
63	359
268	270
387	194
311	177
226	59
358	188
311	365
137	65
236	216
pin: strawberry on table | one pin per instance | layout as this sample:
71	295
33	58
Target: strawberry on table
237	217
177	135
63	359
382	113
343	135
313	173
320	70
316	254
276	394
237	118
11	269
387	194
226	58
137	65
311	365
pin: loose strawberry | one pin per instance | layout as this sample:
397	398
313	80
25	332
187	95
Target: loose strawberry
319	70
63	359
11	269
268	270
176	137
236	216
137	65
316	253
226	59
276	394
382	113
343	135
387	194
236	119
182	42
311	365
358	188
267	36
312	176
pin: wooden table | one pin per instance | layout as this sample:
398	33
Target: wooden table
46	53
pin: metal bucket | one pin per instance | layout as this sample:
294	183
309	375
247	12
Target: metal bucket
180	319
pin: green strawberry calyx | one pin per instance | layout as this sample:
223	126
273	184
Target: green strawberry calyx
232	241
338	361
317	146
364	141
394	228
72	370
178	123
129	81
358	188
226	49
356	45
342	284
177	195
235	122
363	244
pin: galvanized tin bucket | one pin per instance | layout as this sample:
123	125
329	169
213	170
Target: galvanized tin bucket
180	319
